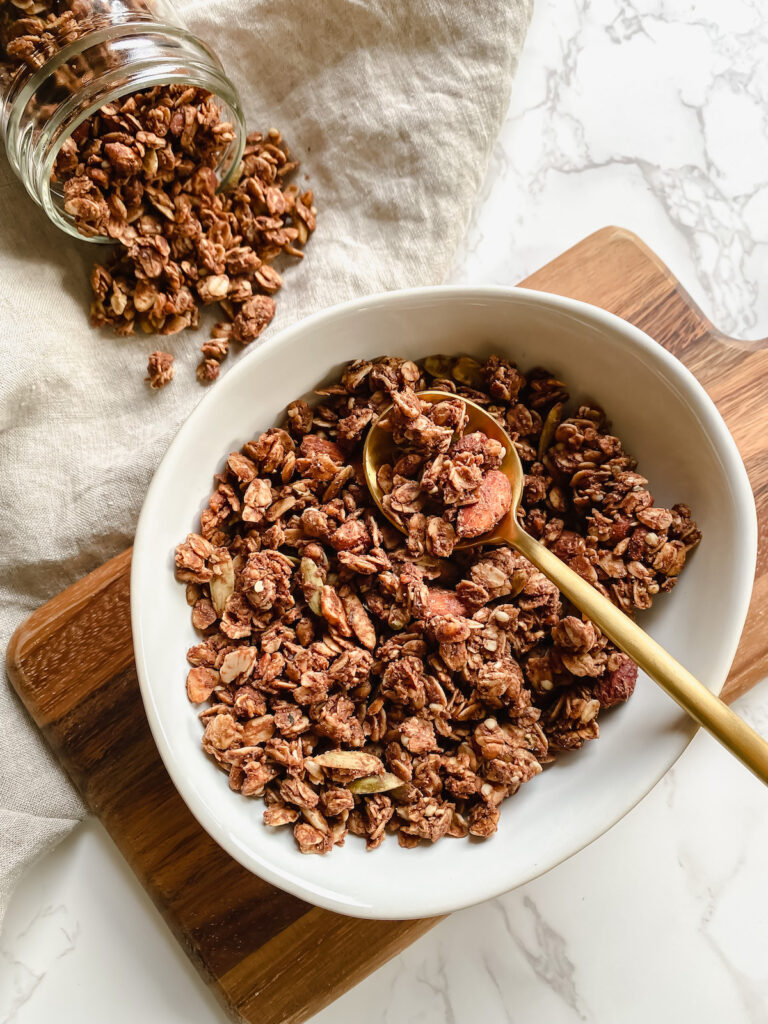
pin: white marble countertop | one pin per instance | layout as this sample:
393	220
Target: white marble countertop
650	114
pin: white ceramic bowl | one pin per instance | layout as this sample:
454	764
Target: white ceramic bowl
665	419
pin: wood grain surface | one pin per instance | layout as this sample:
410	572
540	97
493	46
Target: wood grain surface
271	958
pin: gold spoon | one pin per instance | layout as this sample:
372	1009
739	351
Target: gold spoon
692	696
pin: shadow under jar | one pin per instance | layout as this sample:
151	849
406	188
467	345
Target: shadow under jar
62	60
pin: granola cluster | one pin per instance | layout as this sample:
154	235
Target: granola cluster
361	681
160	369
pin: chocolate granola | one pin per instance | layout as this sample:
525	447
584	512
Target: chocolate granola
361	681
441	485
142	171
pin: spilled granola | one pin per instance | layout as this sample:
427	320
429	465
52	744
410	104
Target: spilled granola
360	681
160	369
142	171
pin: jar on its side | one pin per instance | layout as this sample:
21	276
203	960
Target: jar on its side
56	70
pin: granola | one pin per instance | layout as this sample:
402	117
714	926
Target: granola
359	680
160	369
141	171
442	485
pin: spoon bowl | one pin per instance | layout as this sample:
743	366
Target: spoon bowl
380	449
692	696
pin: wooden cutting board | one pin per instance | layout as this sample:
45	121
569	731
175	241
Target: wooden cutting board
271	958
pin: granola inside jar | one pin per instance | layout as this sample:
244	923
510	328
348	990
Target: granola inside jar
63	60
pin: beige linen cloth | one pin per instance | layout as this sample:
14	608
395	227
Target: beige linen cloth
393	107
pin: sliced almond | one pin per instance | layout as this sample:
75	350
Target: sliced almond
333	612
312	583
358	618
350	761
315	818
239	662
223	581
201	682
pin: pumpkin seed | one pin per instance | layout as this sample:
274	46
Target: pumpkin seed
551	423
375	784
468	371
439	366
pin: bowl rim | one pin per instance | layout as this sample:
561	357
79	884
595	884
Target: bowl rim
629	335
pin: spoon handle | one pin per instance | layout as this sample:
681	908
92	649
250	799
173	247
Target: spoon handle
692	696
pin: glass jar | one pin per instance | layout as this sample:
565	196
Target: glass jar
61	61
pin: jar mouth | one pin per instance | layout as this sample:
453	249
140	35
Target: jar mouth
200	69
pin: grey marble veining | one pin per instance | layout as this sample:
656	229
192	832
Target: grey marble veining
651	114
